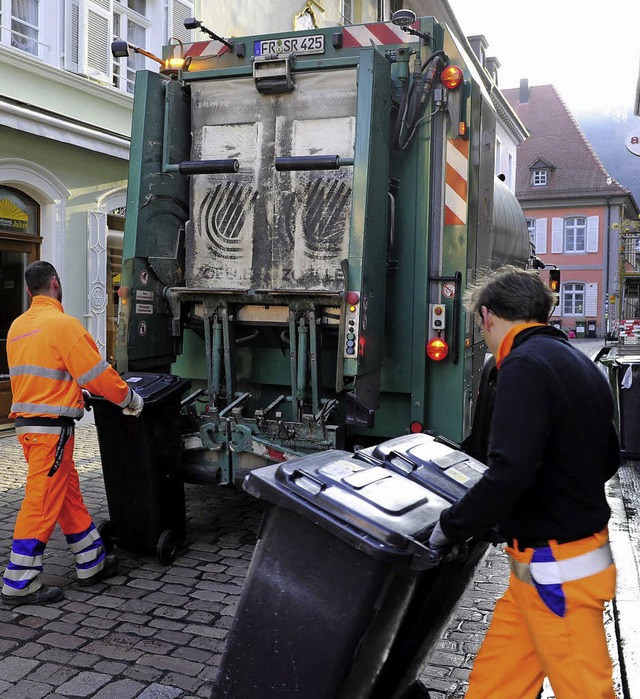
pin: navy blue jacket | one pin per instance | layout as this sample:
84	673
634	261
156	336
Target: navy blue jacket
552	447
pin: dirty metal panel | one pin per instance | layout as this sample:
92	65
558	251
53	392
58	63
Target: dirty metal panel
262	229
313	209
228	235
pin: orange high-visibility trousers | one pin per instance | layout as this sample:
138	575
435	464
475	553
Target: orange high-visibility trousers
527	642
52	495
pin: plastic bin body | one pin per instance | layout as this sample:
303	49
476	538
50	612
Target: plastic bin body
629	408
591	328
336	604
581	328
141	463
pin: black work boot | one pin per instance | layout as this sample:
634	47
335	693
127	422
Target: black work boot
47	594
109	568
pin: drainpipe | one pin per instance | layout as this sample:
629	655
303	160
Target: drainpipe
607	255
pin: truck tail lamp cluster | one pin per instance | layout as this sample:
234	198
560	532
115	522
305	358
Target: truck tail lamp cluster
352	325
437	348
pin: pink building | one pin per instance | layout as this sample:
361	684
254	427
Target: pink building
571	205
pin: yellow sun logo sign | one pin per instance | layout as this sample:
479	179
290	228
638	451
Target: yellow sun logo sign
12	216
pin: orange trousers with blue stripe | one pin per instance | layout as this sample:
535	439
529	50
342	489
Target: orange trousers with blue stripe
527	642
52	495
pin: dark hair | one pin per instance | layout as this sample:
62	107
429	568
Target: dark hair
512	294
38	276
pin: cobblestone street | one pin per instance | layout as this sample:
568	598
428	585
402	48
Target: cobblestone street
156	632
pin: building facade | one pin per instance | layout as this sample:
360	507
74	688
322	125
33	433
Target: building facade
65	119
573	209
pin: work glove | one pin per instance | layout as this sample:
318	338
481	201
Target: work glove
441	548
135	405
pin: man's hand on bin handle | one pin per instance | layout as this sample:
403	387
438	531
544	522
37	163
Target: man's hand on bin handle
441	548
135	405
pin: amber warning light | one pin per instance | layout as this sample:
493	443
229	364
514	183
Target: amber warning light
451	77
437	349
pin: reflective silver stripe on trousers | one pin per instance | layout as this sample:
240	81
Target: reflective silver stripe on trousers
86	540
89	555
20	559
90	572
38	429
20	574
8	591
567	570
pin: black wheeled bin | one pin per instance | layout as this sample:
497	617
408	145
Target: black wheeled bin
628	374
141	464
338	603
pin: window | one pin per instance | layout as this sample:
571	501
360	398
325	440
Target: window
575	234
18	213
129	24
19	23
531	227
91	26
540	178
346	10
498	156
573	299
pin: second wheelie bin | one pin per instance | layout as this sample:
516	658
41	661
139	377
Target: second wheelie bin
341	600
141	464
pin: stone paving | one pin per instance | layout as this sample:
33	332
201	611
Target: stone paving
151	632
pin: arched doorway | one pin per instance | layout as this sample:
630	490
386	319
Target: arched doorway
19	245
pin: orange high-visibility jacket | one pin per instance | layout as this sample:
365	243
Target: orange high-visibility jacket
51	356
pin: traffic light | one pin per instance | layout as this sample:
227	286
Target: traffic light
554	283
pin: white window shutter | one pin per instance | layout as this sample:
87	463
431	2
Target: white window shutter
180	10
593	223
541	236
94	46
591	300
71	35
557	229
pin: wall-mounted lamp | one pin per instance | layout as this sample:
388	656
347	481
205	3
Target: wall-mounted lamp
193	23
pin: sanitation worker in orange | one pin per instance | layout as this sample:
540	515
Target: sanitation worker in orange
552	447
51	359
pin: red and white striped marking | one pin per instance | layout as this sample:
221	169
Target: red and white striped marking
205	48
379	33
456	197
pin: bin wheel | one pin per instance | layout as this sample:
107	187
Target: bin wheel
108	535
167	547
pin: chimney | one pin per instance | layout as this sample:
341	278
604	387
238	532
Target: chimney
524	91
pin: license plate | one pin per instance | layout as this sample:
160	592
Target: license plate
298	45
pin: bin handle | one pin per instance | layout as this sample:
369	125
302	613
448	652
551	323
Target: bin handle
298	475
405	458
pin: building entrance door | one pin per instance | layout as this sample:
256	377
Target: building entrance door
14	257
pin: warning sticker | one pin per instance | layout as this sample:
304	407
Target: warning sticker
144	308
449	290
144	295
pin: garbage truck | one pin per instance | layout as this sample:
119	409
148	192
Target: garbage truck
304	213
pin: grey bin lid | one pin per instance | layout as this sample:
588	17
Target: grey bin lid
430	462
366	505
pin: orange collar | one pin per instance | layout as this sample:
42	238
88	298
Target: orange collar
507	340
43	300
